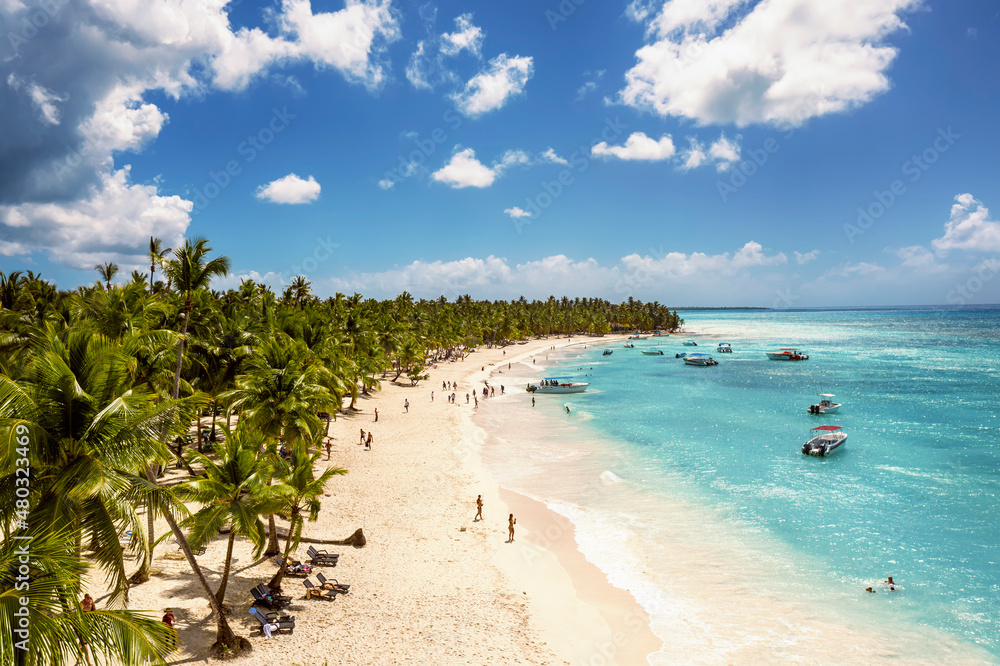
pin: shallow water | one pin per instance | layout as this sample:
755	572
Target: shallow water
688	487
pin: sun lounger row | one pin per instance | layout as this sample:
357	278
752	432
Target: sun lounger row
273	621
322	557
328	590
264	597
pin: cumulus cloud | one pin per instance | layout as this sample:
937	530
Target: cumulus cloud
464	170
803	258
551	156
427	66
638	147
77	100
702	277
778	61
516	213
969	228
113	220
490	90
290	190
725	152
467	37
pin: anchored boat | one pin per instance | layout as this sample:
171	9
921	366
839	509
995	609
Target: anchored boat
699	359
652	352
829	440
788	354
558	385
826	405
724	348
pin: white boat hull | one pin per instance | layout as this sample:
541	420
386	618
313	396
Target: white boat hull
825	445
573	388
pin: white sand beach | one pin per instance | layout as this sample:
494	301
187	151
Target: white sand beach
432	586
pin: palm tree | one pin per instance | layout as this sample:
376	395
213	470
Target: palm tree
231	492
107	272
300	491
60	632
156	255
190	272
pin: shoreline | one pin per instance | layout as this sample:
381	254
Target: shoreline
431	585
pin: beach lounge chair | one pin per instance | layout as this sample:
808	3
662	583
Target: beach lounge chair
313	592
263	589
294	568
265	599
322	557
332	584
282	621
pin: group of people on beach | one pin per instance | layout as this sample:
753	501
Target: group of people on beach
366	441
511	520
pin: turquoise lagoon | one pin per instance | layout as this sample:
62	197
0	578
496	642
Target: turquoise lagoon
687	485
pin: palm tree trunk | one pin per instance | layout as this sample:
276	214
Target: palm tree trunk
273	547
180	351
224	635
275	584
221	594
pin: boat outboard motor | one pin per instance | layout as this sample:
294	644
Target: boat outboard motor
826	449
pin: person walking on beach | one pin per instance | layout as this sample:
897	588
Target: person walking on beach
406	405
169	619
466	398
362	437
532	401
432	396
501	389
376	415
328	447
368	442
511	521
479	509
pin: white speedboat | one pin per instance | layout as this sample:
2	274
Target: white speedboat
558	385
826	405
725	348
829	440
652	352
690	343
788	354
699	359
628	345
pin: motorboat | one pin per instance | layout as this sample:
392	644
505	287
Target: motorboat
788	354
699	359
826	405
558	385
829	439
628	345
660	334
653	352
635	337
690	343
607	352
724	348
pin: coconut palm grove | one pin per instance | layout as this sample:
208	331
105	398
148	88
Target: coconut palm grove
105	387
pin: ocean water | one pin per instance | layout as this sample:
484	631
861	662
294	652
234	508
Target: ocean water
687	485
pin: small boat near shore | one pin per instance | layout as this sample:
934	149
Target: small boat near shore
830	440
607	352
826	405
653	352
724	348
788	354
558	385
628	345
635	337
690	343
699	359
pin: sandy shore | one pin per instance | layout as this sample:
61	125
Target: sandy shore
432	586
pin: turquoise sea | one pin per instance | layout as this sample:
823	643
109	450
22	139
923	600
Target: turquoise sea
687	485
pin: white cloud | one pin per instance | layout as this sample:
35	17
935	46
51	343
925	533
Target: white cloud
969	228
489	90
638	147
467	37
803	258
290	189
590	85
88	74
516	213
464	170
777	61
44	100
114	219
550	155
695	155
703	278
386	184
417	70
725	152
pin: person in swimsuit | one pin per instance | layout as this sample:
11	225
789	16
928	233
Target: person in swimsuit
479	509
87	604
510	527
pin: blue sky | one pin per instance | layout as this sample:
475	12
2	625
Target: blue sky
782	153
